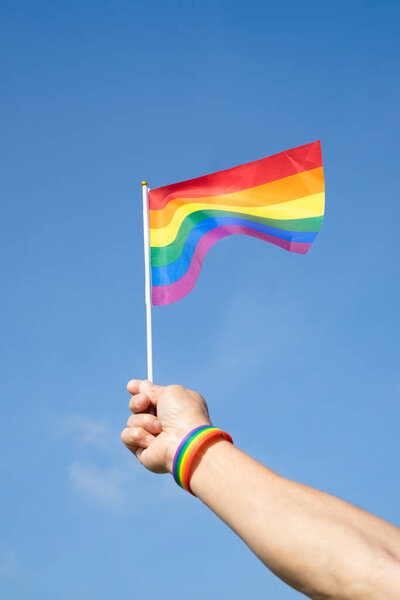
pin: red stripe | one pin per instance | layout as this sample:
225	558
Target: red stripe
193	453
243	177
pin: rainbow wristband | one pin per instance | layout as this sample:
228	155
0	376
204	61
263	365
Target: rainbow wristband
188	449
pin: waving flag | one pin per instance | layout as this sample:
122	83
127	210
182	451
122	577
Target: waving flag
279	199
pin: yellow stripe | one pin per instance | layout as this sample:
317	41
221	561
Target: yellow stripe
274	192
302	208
189	449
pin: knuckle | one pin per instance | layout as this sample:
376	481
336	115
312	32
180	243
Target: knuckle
129	421
142	386
135	434
148	421
137	402
174	388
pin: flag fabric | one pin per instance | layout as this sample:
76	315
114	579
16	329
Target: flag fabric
279	199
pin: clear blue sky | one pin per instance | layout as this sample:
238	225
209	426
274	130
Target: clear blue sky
297	356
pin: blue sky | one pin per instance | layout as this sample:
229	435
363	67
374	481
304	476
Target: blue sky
297	356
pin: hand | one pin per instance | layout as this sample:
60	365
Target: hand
154	438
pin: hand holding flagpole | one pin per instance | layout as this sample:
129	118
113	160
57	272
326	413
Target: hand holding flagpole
147	267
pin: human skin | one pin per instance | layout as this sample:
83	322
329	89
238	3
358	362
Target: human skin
324	547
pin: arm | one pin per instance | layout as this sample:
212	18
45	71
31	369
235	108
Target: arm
320	545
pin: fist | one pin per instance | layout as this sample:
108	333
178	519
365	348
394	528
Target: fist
163	415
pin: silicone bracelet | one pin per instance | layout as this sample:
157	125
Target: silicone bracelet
188	449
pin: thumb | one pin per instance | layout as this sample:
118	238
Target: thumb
151	391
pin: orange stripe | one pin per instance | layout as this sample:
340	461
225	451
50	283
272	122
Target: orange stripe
275	192
193	444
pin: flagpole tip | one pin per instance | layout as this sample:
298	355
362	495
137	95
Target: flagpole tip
144	183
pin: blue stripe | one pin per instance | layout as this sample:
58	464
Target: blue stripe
177	269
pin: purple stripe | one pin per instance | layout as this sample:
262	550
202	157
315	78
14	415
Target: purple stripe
165	294
178	450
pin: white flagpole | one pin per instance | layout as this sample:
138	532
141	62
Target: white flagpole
147	267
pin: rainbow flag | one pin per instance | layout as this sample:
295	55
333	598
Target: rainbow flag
279	199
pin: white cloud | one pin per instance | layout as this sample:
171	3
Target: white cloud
110	477
88	431
8	562
99	486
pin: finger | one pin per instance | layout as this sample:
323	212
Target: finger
136	451
139	403
133	386
151	391
145	421
136	436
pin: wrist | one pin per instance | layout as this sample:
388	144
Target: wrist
175	438
174	441
171	451
191	449
211	466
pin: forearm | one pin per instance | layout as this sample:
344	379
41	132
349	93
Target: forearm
326	548
317	543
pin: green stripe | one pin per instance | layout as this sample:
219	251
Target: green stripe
184	448
164	255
